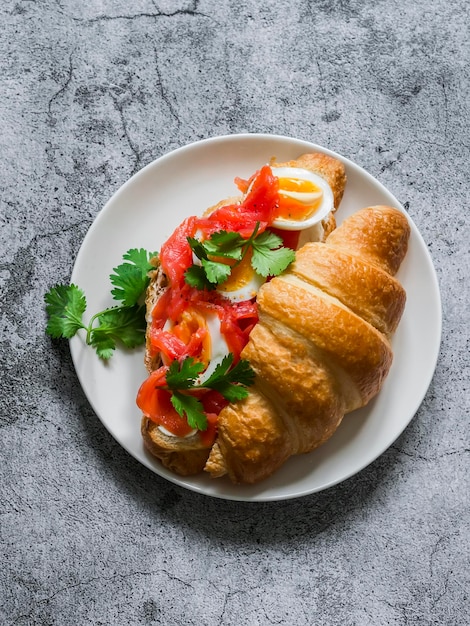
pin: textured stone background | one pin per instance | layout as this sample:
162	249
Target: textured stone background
90	93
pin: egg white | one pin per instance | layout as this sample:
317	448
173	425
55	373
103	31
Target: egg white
244	292
219	347
219	350
248	291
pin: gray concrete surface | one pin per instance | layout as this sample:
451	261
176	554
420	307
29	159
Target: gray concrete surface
90	93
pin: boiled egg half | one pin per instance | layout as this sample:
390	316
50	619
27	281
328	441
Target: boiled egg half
243	282
305	198
213	347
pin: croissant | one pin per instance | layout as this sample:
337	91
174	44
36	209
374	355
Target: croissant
187	456
321	348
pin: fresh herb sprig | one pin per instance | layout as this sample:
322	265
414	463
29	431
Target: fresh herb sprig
124	323
230	382
130	278
269	257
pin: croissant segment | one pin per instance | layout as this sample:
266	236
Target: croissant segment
378	234
365	289
321	348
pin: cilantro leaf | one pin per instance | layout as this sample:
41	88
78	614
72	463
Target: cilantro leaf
268	239
183	375
232	393
131	277
65	305
210	273
197	247
216	272
269	258
191	407
125	324
224	379
103	343
229	381
242	373
225	244
195	276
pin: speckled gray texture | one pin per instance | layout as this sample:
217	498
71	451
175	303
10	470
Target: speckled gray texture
90	93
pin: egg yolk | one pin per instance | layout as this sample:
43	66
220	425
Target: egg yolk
296	184
192	330
298	199
242	274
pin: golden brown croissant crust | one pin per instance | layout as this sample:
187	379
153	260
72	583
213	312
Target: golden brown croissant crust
321	348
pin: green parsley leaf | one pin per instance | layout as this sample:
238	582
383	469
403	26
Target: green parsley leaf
125	324
103	343
131	278
195	276
120	324
197	247
229	381
190	406
183	375
224	378
269	257
216	272
225	244
65	305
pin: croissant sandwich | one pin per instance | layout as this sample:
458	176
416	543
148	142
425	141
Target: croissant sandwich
254	356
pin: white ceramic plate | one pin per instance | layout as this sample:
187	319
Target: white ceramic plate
145	211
